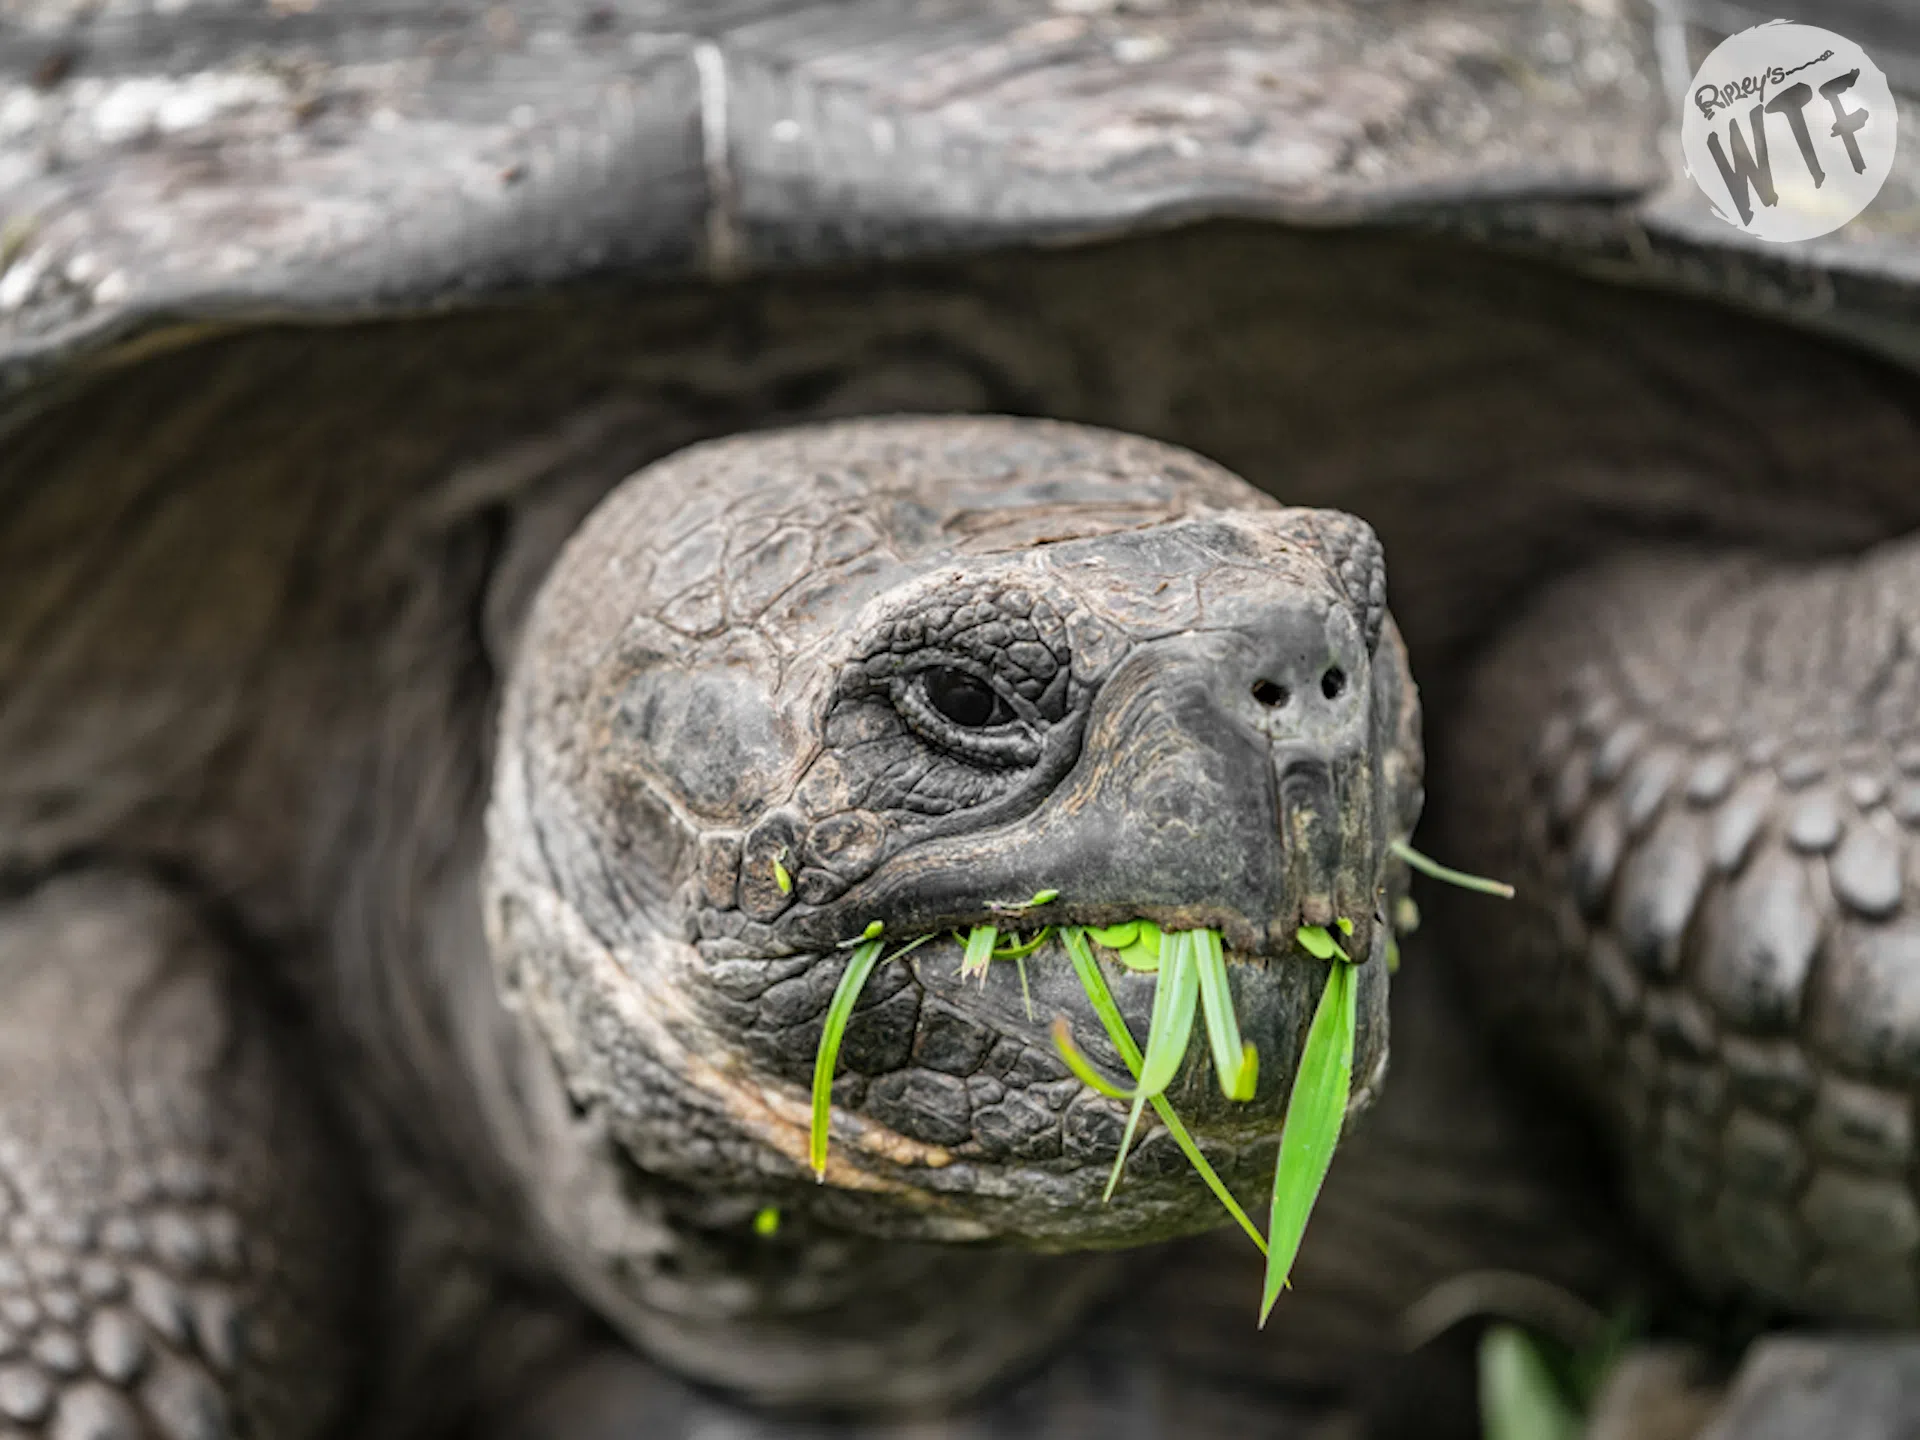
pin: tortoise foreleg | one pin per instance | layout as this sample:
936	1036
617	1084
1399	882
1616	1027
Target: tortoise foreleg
177	1233
1704	774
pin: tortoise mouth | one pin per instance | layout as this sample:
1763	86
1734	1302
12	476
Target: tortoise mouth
1010	983
961	1070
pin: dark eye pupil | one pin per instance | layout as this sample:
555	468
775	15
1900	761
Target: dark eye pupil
962	699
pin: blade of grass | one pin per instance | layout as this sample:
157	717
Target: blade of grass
1237	1063
1175	995
852	981
1144	952
1315	1112
1315	940
1519	1397
1082	1067
1452	877
980	941
1126	1145
1018	952
1137	943
1190	1148
1022	948
839	1011
1100	997
1087	970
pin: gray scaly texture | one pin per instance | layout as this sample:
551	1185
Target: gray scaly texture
176	1241
1704	774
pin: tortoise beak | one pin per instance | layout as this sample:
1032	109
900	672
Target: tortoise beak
1311	832
1219	784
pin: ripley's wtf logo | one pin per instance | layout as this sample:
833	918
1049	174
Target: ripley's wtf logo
1710	99
1785	146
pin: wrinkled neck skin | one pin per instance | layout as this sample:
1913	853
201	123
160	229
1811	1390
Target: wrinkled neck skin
1192	709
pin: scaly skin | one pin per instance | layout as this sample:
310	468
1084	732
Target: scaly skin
1702	773
180	1238
740	660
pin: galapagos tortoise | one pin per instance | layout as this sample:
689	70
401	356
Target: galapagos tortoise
400	1010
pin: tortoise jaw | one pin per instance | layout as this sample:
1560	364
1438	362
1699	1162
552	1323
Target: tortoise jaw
997	1008
1022	926
1256	872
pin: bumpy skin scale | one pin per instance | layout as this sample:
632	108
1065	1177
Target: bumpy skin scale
729	680
178	1245
1704	774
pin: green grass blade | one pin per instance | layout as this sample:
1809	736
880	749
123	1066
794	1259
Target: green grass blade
1082	1067
1137	943
1315	1111
1519	1397
1026	995
852	981
1315	940
1175	994
1452	877
1144	952
1087	969
1101	998
1161	1060
1126	1146
980	942
1074	937
1022	948
1237	1063
1191	1149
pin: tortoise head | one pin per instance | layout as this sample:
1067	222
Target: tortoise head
781	687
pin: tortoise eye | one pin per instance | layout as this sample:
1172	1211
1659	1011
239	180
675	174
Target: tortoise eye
964	699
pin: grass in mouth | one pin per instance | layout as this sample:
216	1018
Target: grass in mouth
853	980
1315	1111
1190	974
1434	869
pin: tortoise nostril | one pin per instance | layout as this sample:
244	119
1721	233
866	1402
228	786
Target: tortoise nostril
1268	693
1333	682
